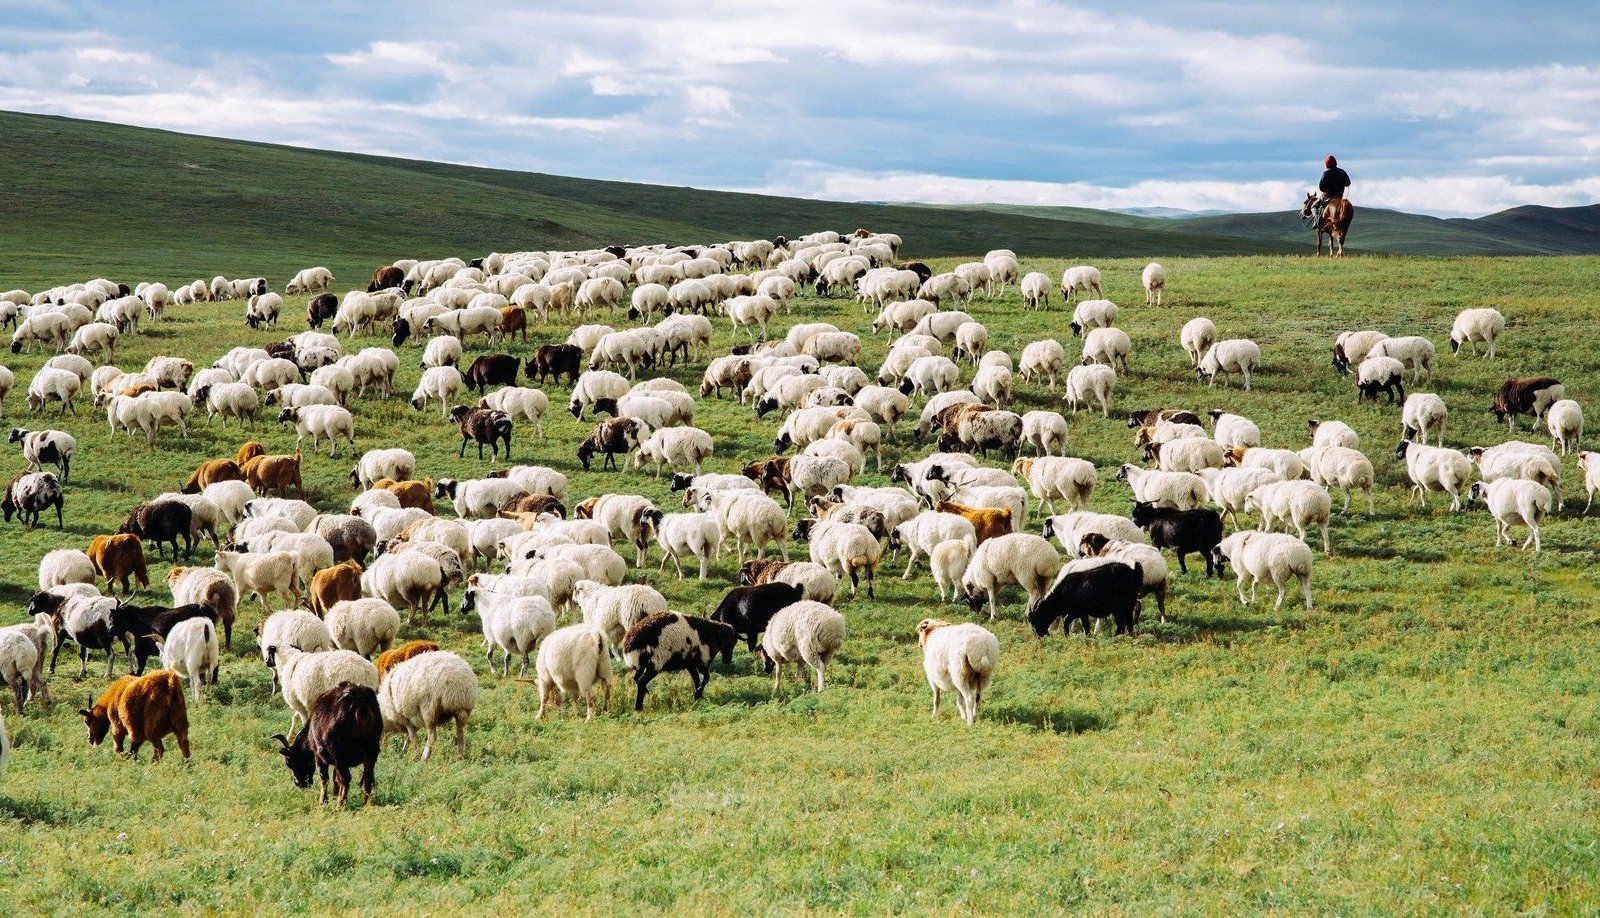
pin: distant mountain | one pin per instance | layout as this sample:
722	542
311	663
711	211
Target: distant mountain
1167	213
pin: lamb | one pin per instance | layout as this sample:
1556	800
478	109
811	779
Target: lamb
1271	557
1181	531
694	535
299	513
514	624
1519	395
1234	431
1019	558
806	631
670	641
1413	351
144	709
1434	468
993	385
1474	325
1340	467
958	658
536	479
1197	337
1235	355
1332	433
443	384
442	351
807	476
843	548
1091	590
206	586
1042	359
377	464
1090	382
614	610
834	347
1035	291
1051	477
311	552
923	532
1108	346
271	373
1565	421
1422	412
1044	431
40	329
191	651
425	692
53	384
261	574
895	504
1091	314
571	662
1177	490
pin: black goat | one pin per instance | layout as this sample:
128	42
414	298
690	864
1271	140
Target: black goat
492	370
1181	531
556	360
161	522
143	624
612	437
1108	589
748	609
345	730
321	309
482	425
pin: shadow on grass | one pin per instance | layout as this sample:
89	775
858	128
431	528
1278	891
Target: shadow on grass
1052	720
43	812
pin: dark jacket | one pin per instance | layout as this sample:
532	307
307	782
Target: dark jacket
1334	182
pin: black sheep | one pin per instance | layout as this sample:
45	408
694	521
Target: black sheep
321	308
482	425
1521	395
345	729
1181	531
1110	589
402	331
556	360
492	370
748	609
162	521
671	641
612	437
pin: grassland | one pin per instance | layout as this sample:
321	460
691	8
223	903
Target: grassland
1423	740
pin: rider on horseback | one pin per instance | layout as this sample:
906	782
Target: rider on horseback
1334	182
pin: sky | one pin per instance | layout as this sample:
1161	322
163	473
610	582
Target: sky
1453	109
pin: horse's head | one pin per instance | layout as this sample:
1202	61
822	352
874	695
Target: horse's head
1305	208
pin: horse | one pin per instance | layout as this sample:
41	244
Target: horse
1335	222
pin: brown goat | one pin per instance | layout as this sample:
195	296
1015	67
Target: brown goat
118	557
212	471
385	277
143	708
757	472
513	319
389	659
335	584
411	494
989	523
274	473
249	451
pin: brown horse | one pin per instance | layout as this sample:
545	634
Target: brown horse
1335	222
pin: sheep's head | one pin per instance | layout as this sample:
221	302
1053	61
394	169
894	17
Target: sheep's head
926	627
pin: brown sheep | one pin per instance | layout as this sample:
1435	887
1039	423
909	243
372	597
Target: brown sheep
1525	395
534	503
385	277
411	494
333	584
757	472
212	471
118	557
989	523
274	473
146	709
755	573
513	319
249	451
389	659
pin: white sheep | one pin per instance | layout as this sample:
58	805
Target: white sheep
306	676
571	662
1474	325
748	518
520	403
230	498
694	535
1080	278
367	626
1588	464
844	549
1178	490
958	658
1519	459
1340	467
1196	338
1090	383
375	465
599	563
1332	433
807	631
1434	468
1154	279
1234	431
948	561
863	436
191	650
443	384
1421	413
442	351
514	624
1149	560
612	610
1041	360
1109	346
407	579
1413	351
992	384
931	375
1229	487
262	573
595	385
1300	504
972	339
751	312
1565	422
1046	432
425	692
1036	290
53	384
923	532
1190	454
1513	501
1019	558
321	421
1058	477
1272	557
1235	355
1092	314
63	566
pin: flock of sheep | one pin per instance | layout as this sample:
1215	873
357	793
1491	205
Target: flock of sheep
523	552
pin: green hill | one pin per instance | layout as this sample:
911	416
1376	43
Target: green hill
81	197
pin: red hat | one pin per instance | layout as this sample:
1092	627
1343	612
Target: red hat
1330	162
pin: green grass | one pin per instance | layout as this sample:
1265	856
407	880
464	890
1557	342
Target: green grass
1423	740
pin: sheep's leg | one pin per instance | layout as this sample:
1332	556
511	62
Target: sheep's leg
1240	586
1305	585
461	734
322	773
1327	546
936	702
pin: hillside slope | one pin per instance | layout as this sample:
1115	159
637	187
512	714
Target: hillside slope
79	197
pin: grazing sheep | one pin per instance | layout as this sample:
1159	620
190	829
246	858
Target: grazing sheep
1434	468
1092	314
1413	351
1340	467
570	663
425	692
1524	395
305	676
807	631
1588	464
1044	431
670	641
1088	590
1190	454
1109	346
261	574
1197	337
958	658
843	548
613	610
1235	355
519	403
1517	459
1154	279
1565	421
675	447
1152	566
1017	558
1421	413
1474	325
514	624
54	384
923	532
192	652
695	535
1090	383
1271	557
1352	347
443	383
1380	373
1230	487
63	566
1234	431
1178	490
1080	278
